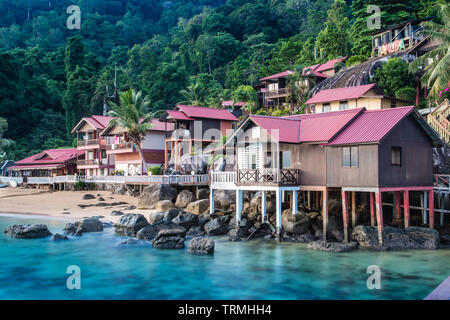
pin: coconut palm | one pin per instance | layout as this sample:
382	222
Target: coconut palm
193	95
437	73
132	115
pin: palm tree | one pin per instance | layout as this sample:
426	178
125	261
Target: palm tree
437	73
193	95
132	115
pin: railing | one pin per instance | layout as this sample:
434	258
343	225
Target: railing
442	182
225	180
93	162
277	176
89	142
438	120
120	146
65	179
40	180
19	180
277	92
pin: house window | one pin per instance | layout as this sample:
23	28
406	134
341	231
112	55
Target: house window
272	87
343	105
326	107
285	159
396	156
350	157
103	153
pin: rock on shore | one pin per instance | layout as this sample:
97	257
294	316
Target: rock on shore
77	228
29	231
154	193
332	246
130	224
170	239
201	246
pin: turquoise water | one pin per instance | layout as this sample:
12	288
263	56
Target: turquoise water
36	269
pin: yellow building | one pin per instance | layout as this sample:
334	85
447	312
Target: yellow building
368	96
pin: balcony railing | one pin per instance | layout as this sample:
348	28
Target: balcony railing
120	146
93	162
89	142
18	180
270	176
278	92
225	180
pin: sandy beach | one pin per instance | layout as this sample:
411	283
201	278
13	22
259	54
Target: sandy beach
54	203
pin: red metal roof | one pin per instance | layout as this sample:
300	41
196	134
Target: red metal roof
50	157
371	125
324	126
278	75
36	166
98	122
310	68
161	126
209	113
285	129
178	115
329	64
340	94
229	103
316	73
102	120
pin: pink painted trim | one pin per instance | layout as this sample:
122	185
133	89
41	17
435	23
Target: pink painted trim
407	188
153	150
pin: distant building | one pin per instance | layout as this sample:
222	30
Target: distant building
4	167
96	161
235	107
367	96
52	162
127	157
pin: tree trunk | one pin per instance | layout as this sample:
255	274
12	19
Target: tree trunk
144	168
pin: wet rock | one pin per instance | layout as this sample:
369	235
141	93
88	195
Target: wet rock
259	230
102	204
107	224
58	236
73	229
171	214
88	196
169	239
186	220
201	246
196	231
164	205
151	231
237	234
396	239
224	198
332	246
130	224
298	238
132	207
131	243
154	193
155	217
29	231
215	227
65	212
184	198
101	199
337	235
198	207
77	228
117	213
202	194
295	223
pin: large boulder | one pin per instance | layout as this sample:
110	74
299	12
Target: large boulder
57	237
77	228
150	232
184	198
238	233
154	193
198	207
396	238
29	231
88	196
155	217
130	224
196	231
332	246
201	246
295	223
216	227
171	214
203	193
169	239
164	205
224	198
186	220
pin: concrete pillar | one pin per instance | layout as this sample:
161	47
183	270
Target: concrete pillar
345	214
354	209
295	201
379	211
425	205
325	214
442	197
239	205
211	201
406	208
278	211
372	208
431	206
309	199
398	203
264	206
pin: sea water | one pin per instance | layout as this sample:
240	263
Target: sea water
37	269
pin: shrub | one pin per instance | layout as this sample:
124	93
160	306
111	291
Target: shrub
354	60
155	170
79	185
406	93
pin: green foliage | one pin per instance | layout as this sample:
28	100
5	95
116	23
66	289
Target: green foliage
245	94
393	75
354	60
406	93
154	170
79	185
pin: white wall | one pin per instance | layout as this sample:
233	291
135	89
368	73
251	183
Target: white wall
154	140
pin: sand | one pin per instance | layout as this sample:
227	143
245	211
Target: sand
54	203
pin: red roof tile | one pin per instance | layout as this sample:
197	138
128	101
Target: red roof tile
371	126
178	115
161	126
286	130
316	127
50	157
340	94
229	103
316	73
310	68
98	122
209	113
278	75
103	120
329	64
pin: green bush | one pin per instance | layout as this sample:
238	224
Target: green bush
80	185
354	60
406	93
155	170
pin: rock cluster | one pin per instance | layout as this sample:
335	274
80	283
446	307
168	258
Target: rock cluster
29	231
77	228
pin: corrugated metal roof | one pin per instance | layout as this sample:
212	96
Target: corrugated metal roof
323	126
208	113
340	94
285	129
51	156
329	64
178	115
278	75
371	126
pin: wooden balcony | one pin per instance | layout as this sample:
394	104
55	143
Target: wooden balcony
90	143
94	163
282	177
123	147
282	92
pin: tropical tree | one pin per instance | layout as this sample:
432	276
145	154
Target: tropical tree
245	94
437	73
192	95
299	88
3	142
132	115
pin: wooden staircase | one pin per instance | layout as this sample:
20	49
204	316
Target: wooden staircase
438	119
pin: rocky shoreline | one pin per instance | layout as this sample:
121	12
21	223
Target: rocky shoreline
176	217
